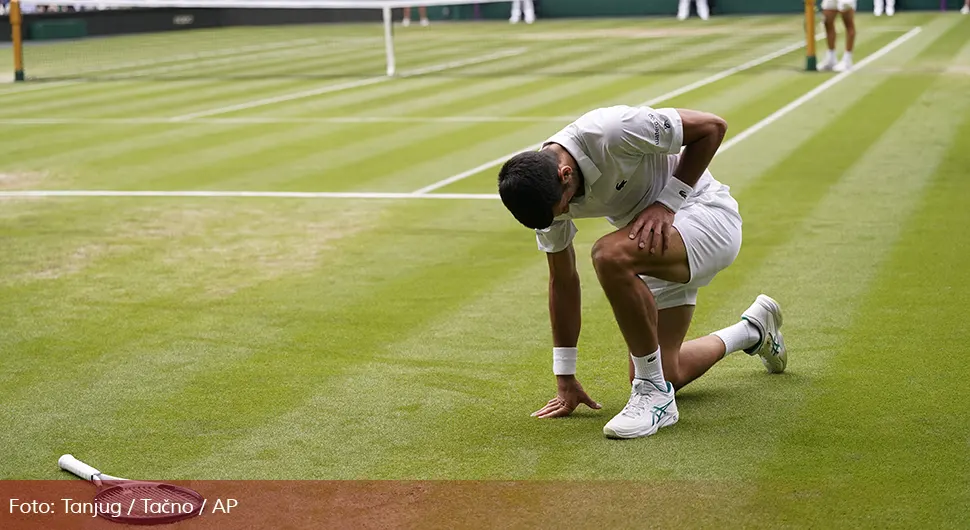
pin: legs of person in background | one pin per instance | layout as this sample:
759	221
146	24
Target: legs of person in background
422	12
828	63
831	9
523	6
530	11
683	10
703	10
887	6
966	8
848	18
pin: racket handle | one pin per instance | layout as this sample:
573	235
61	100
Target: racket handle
69	463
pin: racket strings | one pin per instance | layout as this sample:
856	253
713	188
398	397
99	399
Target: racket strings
151	501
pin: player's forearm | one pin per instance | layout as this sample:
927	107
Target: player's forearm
565	309
564	298
703	134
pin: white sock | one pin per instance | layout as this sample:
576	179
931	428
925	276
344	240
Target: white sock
830	56
650	368
740	336
847	56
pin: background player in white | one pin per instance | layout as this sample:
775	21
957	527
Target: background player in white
518	6
831	9
881	6
676	228
683	10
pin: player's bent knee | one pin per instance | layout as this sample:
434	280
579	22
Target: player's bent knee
613	257
619	257
610	257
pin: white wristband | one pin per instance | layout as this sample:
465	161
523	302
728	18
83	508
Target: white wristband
674	194
564	361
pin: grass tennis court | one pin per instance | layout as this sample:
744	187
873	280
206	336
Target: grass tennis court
402	337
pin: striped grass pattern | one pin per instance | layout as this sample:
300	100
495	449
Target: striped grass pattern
306	334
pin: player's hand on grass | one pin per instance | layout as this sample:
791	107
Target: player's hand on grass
569	396
652	228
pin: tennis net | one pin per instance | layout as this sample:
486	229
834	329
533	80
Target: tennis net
261	39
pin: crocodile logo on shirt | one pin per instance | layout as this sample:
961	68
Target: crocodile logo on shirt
620	185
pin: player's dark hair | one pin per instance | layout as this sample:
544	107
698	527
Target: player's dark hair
530	188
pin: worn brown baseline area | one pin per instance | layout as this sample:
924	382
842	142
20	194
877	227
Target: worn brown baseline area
405	504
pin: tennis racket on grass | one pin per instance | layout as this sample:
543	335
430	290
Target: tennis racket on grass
136	502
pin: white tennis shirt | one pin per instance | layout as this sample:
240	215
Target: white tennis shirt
626	155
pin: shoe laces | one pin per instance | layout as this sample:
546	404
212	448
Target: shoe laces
639	399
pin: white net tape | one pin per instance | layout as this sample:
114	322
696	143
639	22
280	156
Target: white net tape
383	5
265	4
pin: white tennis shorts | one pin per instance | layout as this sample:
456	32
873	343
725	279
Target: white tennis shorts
710	226
839	5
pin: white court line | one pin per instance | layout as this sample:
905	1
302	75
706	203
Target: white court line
414	195
344	86
747	133
270	120
214	193
669	95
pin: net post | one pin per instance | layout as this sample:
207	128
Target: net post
389	41
17	36
810	59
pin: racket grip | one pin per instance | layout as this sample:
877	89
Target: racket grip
69	463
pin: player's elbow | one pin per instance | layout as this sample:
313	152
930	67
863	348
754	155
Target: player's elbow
700	126
719	126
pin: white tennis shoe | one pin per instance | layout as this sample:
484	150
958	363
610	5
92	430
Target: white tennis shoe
765	314
650	408
844	65
827	65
